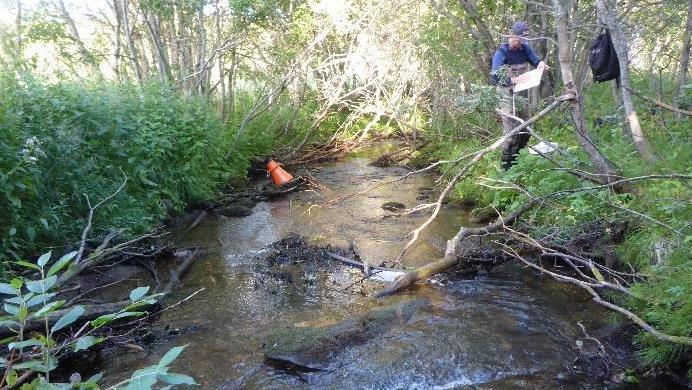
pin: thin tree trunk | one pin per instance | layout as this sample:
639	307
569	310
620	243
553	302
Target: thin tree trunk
684	55
620	43
117	50
123	9
604	166
222	76
201	52
159	51
87	57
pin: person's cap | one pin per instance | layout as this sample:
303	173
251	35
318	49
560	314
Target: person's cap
521	29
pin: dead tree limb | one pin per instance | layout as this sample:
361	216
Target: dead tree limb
660	104
478	155
450	258
87	228
597	298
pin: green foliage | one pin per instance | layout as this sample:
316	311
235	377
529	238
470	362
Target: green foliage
28	300
658	241
65	142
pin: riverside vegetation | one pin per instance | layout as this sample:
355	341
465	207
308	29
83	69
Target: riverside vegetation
166	103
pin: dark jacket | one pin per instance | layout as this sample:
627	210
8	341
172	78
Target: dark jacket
506	56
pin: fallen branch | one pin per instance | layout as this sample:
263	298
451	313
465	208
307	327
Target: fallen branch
661	104
90	218
450	258
597	298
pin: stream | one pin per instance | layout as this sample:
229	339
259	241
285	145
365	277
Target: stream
509	328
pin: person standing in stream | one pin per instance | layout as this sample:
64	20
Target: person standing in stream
510	61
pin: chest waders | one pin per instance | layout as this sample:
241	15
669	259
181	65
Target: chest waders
517	105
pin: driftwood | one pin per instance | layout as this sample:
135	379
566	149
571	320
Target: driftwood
450	258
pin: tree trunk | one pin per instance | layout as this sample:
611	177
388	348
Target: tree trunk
87	57
684	55
123	9
201	52
620	43
602	164
117	50
222	77
160	52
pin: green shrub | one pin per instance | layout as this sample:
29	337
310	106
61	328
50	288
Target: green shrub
65	141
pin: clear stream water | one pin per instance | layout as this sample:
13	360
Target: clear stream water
507	329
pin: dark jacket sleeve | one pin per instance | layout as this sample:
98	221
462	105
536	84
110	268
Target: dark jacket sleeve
533	60
496	69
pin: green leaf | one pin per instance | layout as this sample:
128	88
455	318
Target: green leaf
85	342
6	288
16	283
43	260
38	365
143	379
129	314
170	356
597	273
60	264
104	319
11	378
68	318
28	265
44	222
138	293
176	379
24	344
11	309
41	286
41	298
52	306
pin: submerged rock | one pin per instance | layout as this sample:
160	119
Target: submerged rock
393	206
312	348
235	210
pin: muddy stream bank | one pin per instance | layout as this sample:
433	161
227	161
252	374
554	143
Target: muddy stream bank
510	328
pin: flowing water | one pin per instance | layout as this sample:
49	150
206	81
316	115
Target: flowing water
510	328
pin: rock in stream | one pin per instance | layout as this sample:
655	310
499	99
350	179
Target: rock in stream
313	348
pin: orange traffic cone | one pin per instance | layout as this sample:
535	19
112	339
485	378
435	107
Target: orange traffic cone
279	176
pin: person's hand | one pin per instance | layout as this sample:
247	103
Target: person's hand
542	65
518	79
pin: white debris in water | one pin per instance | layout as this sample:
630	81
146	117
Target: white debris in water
543	147
386	276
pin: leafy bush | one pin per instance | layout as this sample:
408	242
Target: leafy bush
64	142
27	300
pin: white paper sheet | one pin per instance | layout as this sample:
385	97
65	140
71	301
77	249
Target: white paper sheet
531	79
